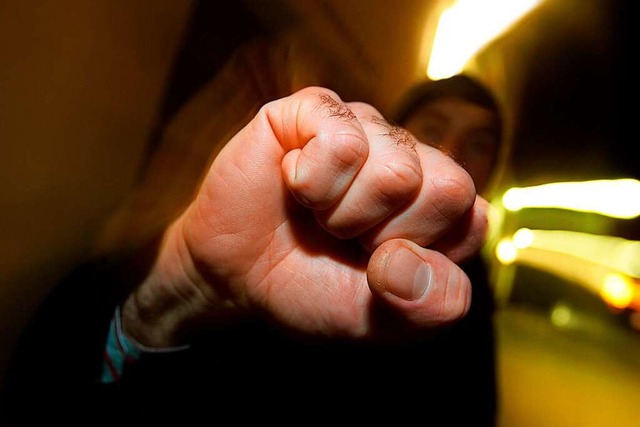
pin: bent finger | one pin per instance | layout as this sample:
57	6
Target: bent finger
468	235
447	193
325	145
388	180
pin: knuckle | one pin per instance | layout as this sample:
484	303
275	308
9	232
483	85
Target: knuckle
398	181
454	193
349	149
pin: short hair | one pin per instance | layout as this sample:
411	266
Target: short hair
459	86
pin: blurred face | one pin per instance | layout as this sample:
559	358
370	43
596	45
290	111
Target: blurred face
467	132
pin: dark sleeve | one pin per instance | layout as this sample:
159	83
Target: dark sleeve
247	369
53	372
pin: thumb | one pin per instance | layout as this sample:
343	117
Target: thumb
422	285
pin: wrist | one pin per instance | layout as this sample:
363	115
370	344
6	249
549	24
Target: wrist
174	301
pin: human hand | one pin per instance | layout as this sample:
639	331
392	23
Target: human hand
314	215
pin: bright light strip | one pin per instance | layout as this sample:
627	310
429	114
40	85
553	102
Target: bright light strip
466	27
614	253
615	288
523	238
617	198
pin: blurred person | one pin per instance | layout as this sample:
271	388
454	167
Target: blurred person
460	116
320	243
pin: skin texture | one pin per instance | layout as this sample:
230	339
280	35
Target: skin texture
315	216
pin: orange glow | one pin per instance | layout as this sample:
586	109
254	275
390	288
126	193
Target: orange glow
617	291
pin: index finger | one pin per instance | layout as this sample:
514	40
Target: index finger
325	146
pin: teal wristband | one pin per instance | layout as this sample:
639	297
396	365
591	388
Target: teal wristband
121	351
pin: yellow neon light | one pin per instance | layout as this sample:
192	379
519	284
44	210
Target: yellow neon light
608	266
506	252
615	253
466	27
618	198
523	238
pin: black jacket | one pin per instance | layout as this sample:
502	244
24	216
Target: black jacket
247	373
